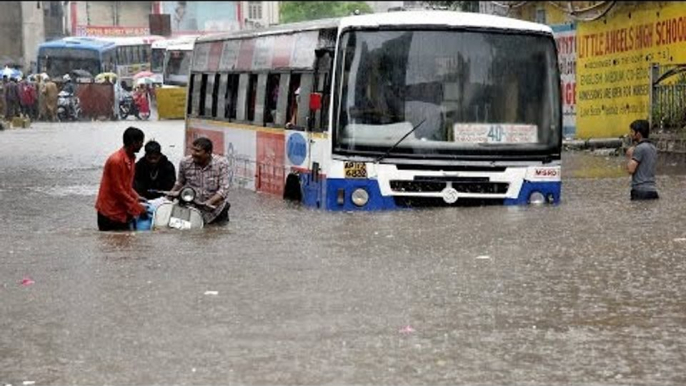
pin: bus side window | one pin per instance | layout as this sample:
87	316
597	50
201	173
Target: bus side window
251	98
203	95
271	98
323	87
282	103
231	96
191	99
303	116
241	101
293	101
219	112
215	95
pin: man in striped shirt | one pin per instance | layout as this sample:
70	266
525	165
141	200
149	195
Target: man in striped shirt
208	175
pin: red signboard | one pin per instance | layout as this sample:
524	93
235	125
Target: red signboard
270	163
93	30
217	138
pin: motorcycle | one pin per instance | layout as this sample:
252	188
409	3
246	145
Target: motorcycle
182	213
136	105
68	106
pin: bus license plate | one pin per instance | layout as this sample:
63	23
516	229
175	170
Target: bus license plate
355	170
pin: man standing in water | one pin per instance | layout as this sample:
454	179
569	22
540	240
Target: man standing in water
642	161
118	203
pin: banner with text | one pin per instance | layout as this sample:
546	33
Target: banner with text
613	64
565	37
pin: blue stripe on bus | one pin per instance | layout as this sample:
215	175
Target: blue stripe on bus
312	191
529	187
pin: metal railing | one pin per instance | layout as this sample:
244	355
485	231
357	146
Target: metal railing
668	98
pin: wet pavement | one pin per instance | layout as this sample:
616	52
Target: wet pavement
590	292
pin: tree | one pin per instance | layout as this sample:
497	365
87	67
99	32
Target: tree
466	6
294	11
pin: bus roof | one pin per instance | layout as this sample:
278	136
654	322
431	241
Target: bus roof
134	40
275	30
182	46
414	18
79	42
162	44
442	18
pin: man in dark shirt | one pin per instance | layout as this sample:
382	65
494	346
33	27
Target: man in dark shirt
642	162
154	171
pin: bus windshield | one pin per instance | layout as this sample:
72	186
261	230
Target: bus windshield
157	60
178	64
57	62
474	93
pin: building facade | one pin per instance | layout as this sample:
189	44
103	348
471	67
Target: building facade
23	26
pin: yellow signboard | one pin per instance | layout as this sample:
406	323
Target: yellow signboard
171	102
613	63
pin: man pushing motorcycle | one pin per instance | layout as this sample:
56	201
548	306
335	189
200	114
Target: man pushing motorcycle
208	175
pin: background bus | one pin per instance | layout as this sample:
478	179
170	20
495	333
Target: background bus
60	57
157	50
133	56
177	63
124	56
158	57
420	108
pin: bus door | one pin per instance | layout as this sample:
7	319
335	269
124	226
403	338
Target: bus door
314	100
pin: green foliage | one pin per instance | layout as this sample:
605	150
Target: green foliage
295	11
466	6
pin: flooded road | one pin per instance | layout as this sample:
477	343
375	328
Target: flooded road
590	292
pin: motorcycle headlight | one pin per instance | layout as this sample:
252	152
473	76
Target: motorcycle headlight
187	195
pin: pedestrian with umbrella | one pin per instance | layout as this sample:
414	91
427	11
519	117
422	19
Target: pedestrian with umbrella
11	73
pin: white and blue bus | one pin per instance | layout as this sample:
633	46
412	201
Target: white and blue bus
124	56
60	57
385	111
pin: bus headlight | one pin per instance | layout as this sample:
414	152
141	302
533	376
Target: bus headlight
537	198
360	197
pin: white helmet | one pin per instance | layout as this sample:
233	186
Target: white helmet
66	78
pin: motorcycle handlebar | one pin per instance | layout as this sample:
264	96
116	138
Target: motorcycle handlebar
169	193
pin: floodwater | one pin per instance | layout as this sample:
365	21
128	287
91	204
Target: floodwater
590	292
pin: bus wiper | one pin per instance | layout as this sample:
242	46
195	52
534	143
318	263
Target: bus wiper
398	143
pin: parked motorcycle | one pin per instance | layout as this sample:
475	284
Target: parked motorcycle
136	105
181	213
68	107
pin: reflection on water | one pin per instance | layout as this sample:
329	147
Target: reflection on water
307	296
64	191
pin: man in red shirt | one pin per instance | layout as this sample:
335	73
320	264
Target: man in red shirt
117	201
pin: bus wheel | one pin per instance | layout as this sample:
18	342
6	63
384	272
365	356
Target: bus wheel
292	189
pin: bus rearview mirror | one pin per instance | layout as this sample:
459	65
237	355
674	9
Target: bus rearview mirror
315	101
